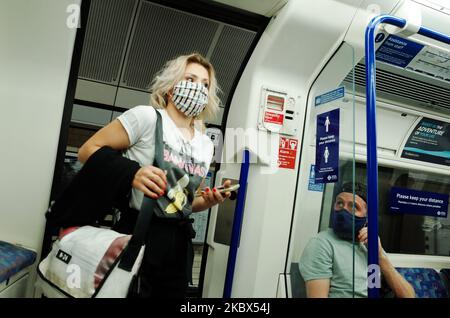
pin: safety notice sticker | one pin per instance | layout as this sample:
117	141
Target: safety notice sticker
273	118
327	147
312	185
287	152
330	96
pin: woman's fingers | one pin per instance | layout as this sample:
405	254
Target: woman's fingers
156	175
158	181
153	186
147	192
213	196
151	181
208	196
227	184
160	173
217	196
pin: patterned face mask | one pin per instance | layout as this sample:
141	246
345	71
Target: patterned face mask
190	98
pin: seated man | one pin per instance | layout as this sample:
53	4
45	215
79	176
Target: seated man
327	261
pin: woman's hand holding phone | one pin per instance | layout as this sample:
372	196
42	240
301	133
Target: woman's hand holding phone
215	196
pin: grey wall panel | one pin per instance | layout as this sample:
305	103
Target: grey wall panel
128	98
95	92
218	120
90	115
115	115
161	34
108	29
228	55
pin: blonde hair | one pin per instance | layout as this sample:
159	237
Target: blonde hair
173	72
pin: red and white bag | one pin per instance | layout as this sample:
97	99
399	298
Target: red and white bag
85	264
91	262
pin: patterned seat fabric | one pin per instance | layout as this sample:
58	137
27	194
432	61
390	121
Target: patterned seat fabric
427	282
13	259
445	274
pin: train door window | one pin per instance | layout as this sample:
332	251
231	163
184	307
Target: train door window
409	232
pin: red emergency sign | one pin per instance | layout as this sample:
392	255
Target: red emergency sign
273	118
287	152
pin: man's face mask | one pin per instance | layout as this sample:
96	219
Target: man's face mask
342	224
190	98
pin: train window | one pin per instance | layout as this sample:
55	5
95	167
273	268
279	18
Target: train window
401	233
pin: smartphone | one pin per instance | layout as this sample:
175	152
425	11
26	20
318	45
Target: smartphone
221	189
231	188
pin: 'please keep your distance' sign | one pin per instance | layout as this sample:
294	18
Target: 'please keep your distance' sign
407	201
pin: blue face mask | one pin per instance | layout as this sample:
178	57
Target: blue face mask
342	224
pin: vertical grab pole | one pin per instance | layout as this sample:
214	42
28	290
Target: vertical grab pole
372	163
237	223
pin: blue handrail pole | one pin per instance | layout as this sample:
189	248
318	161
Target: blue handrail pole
372	163
237	224
434	35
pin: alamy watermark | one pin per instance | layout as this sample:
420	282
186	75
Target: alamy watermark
373	276
73	19
74	278
263	146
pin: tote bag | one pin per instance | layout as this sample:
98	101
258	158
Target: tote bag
92	262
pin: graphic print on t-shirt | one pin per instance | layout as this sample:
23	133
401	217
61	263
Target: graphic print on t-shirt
185	161
184	175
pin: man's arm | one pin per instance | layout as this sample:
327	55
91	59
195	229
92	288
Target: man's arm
398	284
316	267
318	288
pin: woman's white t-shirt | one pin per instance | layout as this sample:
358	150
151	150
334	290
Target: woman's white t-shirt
140	122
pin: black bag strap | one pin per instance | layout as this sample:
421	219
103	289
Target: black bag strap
145	214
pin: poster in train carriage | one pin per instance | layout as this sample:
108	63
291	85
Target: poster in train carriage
327	147
429	142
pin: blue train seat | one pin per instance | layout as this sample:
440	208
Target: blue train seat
427	282
14	259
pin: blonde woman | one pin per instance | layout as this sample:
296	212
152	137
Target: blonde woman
184	92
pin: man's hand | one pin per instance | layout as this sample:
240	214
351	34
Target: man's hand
363	238
401	288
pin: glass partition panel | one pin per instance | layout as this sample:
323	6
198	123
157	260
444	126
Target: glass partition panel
328	259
